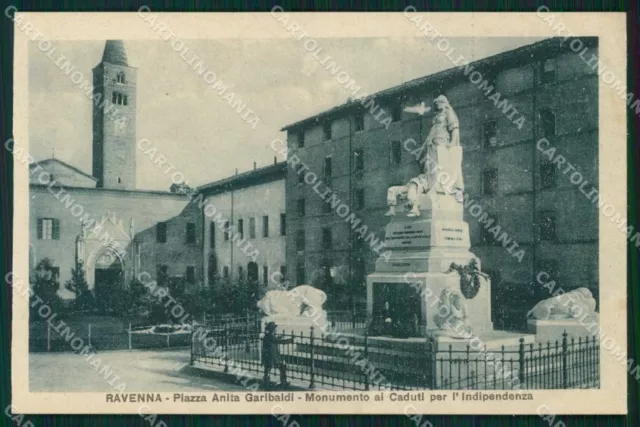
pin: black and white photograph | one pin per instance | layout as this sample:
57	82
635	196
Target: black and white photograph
414	221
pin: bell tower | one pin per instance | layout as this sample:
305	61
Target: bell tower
114	119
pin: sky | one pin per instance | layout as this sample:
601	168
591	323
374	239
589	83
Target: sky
192	126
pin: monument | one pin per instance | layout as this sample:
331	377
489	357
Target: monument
429	243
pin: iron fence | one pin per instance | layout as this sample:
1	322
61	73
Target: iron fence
351	362
105	337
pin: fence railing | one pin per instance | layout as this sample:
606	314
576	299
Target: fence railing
335	361
44	338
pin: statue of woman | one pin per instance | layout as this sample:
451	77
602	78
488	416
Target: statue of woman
440	158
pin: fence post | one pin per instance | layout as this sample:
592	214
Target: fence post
89	334
247	349
226	347
129	333
434	363
353	317
366	357
192	357
312	384
48	337
565	373
521	363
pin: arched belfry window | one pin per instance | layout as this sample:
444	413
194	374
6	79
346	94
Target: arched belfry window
120	77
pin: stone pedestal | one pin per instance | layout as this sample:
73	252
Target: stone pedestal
552	330
422	249
296	324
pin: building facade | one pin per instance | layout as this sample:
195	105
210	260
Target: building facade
102	221
249	210
553	90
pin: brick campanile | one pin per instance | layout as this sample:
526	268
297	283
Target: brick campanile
114	119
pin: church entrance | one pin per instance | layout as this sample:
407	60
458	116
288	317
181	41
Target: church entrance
109	283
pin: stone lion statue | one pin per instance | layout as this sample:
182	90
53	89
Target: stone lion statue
299	301
571	305
451	314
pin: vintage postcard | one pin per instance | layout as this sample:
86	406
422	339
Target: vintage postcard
298	213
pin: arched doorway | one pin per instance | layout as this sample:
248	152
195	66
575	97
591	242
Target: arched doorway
108	281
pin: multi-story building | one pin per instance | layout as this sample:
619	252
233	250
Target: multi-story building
555	92
251	208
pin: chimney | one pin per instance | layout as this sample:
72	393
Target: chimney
275	160
236	171
254	165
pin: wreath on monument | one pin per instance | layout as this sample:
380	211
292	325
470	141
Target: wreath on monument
469	277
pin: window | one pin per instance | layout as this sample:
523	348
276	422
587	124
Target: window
327	168
300	274
226	231
300	174
547	175
396	113
252	228
118	98
161	232
395	153
547	225
359	198
240	273
326	130
358	122
359	270
119	180
120	77
300	243
283	224
547	122
327	238
490	182
191	232
265	275
548	71
487	237
162	274
265	226
358	160
241	228
300	139
48	229
212	235
326	207
549	266
283	273
191	274
301	207
225	272
490	133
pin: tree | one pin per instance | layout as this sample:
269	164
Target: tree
44	285
78	285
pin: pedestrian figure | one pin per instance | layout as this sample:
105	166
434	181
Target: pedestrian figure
271	354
